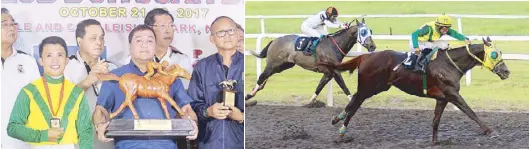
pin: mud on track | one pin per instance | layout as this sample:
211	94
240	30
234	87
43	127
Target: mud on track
299	127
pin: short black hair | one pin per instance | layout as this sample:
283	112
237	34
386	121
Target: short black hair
5	11
80	31
140	28
52	40
218	18
149	19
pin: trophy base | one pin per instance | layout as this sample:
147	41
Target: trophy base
150	128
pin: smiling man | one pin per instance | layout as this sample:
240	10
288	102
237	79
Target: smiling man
51	112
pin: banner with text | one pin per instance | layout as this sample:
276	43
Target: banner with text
38	19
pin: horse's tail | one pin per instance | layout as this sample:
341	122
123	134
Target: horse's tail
108	77
350	65
263	53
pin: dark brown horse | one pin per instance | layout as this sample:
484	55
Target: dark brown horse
377	72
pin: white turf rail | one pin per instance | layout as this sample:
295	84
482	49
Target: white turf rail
459	17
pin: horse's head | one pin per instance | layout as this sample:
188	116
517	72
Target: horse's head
173	71
363	34
179	72
493	61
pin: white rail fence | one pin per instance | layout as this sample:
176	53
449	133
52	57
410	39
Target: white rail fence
459	17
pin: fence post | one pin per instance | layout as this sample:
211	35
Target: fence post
262	25
258	48
330	100
258	60
468	78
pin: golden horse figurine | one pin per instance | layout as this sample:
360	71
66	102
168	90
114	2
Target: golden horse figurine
158	87
151	66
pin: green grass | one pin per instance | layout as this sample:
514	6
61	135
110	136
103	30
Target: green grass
487	91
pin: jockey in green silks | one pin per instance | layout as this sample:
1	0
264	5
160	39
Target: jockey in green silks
424	39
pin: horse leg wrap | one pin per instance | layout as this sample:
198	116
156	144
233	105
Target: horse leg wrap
342	115
342	130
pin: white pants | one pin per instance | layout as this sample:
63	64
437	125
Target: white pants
313	32
442	44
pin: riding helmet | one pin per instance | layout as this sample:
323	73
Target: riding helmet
331	11
443	20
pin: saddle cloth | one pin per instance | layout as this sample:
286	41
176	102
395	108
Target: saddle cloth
306	44
409	55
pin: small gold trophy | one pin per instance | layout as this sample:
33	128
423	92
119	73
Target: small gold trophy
228	93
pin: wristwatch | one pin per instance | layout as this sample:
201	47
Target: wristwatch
206	113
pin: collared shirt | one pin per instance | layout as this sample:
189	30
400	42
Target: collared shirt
111	97
173	56
77	70
18	70
206	91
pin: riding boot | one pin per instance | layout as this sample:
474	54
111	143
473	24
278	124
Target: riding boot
420	64
308	50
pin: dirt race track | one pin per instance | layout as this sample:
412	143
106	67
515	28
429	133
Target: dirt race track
299	127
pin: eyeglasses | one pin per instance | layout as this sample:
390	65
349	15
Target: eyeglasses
4	25
222	33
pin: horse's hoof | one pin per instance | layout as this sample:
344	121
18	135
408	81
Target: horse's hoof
493	135
342	130
250	103
248	96
335	120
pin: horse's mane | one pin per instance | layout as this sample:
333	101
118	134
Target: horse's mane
340	31
463	47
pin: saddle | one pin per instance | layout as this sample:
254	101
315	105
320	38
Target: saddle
419	63
306	44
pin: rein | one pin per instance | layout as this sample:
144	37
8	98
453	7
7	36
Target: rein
334	41
469	53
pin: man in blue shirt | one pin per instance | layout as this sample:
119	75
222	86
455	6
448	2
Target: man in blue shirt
221	127
142	46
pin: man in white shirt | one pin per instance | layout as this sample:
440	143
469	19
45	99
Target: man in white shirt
83	67
18	69
163	24
313	26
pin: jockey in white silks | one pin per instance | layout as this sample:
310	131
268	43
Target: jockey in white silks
313	26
